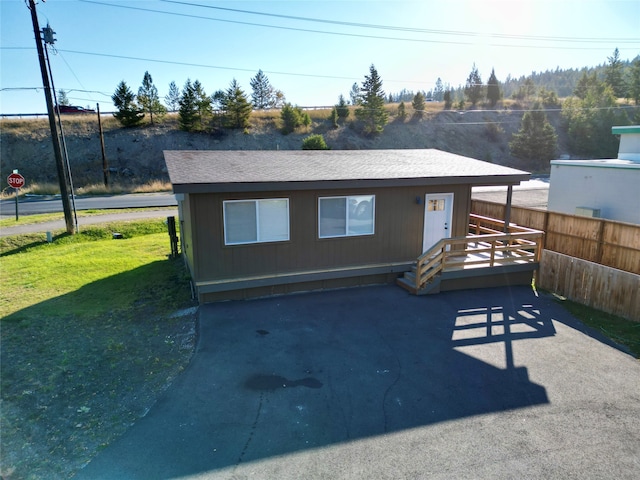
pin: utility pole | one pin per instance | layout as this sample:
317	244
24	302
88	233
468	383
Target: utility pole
57	150
105	164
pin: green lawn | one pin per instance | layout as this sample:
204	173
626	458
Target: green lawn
88	341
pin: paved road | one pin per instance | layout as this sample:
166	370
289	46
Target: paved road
38	204
375	383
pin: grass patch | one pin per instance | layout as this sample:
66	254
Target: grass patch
88	341
622	331
50	217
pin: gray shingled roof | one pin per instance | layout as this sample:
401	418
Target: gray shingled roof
197	171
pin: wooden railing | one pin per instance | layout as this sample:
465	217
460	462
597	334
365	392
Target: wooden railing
488	244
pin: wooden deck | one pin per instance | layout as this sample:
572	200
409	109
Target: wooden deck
490	247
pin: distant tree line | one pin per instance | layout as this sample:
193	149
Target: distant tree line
589	108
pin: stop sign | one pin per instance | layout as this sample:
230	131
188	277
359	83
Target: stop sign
15	180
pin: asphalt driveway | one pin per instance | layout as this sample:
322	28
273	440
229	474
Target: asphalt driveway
375	383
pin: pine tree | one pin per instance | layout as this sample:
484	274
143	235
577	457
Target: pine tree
262	94
473	88
589	120
149	99
371	111
314	142
188	111
438	91
128	114
63	99
172	99
293	117
493	89
203	103
613	75
446	96
236	107
342	109
354	94
634	81
536	142
333	118
402	111
418	105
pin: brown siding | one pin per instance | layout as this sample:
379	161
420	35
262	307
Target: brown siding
186	233
398	233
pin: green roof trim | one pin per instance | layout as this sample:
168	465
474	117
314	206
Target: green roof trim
629	129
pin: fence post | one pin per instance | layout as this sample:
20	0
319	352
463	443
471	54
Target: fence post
173	237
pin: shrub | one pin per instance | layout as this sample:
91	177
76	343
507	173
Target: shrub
314	142
293	117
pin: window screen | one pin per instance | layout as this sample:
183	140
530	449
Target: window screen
256	221
346	216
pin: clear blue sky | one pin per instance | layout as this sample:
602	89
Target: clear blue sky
411	43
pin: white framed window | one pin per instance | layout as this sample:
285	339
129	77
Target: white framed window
256	221
346	216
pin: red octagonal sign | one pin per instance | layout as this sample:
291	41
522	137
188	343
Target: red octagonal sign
15	180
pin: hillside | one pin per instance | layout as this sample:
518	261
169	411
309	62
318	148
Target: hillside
135	154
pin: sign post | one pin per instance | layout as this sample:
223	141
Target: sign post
16	181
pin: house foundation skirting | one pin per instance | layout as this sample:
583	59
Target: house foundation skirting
280	284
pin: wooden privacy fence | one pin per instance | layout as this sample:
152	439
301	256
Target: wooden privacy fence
588	283
605	242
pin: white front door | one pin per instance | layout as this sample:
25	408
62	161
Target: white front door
438	211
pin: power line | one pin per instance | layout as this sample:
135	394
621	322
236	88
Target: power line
410	29
354	35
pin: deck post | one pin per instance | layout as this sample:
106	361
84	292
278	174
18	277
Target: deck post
507	211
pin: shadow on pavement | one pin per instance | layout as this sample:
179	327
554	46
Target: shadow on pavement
280	375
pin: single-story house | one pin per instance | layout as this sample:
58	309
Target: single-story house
605	188
256	223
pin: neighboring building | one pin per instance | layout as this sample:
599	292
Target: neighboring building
608	188
255	223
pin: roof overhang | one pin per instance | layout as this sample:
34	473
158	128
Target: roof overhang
253	171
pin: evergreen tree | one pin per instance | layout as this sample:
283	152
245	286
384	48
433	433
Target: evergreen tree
585	84
188	108
333	118
217	99
536	142
203	103
342	109
589	121
236	106
262	91
354	94
172	99
614	75
446	96
418	105
293	117
402	111
371	111
128	114
473	88
634	81
148	98
63	100
493	89
438	91
314	142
